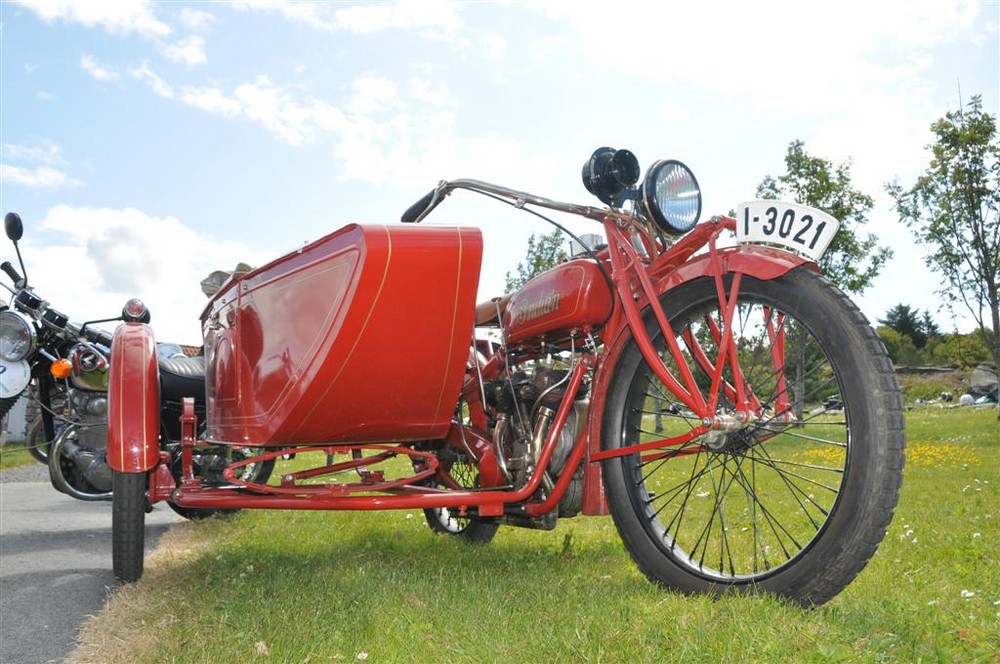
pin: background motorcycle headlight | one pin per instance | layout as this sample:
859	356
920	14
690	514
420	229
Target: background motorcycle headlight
671	197
17	336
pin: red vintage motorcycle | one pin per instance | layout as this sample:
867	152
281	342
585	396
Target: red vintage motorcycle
729	407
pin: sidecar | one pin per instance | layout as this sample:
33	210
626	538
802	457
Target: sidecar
362	335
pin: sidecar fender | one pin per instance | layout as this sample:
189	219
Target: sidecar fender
133	400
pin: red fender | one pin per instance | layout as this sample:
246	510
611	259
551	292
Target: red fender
133	400
761	262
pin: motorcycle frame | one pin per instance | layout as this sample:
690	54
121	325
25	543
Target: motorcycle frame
640	277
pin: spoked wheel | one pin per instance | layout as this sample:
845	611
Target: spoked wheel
448	521
794	498
128	524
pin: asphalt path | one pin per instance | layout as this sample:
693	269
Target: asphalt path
55	565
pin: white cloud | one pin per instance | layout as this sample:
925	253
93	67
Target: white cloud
805	59
211	100
117	17
189	51
432	19
493	45
45	152
98	71
41	177
45	96
121	253
371	94
195	19
144	73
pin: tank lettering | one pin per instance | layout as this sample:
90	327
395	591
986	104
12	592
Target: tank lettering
546	303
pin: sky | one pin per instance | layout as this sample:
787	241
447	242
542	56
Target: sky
145	144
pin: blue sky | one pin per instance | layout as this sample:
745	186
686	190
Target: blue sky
148	143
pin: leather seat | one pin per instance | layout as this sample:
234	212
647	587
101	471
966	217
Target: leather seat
182	377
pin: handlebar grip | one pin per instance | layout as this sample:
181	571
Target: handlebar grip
98	337
11	272
417	208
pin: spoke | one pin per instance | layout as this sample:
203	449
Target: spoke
770	463
770	519
797	494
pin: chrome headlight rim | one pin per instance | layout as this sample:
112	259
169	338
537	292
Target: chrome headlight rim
15	329
678	211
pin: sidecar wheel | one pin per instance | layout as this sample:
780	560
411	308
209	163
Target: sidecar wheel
475	530
128	524
447	521
793	503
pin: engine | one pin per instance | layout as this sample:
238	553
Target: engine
81	448
525	403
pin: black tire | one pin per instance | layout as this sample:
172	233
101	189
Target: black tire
790	508
128	524
447	521
34	441
6	404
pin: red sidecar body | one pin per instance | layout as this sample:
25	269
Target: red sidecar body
362	335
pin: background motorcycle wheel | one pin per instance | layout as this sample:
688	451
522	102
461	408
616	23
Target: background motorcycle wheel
795	509
34	441
128	524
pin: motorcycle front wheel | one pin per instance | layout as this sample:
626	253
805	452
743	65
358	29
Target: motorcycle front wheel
792	503
128	524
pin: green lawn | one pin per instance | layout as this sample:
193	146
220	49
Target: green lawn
319	587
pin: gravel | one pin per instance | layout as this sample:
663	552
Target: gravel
32	472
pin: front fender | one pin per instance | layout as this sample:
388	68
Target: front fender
133	400
755	260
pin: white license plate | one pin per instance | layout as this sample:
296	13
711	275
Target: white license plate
800	228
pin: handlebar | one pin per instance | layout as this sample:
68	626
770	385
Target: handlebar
420	208
12	273
518	199
98	337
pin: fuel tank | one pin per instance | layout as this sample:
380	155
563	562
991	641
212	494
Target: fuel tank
570	298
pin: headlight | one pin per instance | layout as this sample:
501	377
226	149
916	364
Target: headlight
670	197
17	336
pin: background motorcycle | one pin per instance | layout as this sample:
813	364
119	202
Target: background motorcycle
67	369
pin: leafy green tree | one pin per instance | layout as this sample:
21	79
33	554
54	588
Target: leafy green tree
910	322
853	260
544	252
957	350
900	347
954	208
930	328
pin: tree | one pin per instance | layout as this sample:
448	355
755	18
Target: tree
954	208
853	260
910	322
900	347
544	252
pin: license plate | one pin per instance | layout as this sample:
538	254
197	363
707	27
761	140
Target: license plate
802	229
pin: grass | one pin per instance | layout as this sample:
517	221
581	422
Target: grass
13	455
321	587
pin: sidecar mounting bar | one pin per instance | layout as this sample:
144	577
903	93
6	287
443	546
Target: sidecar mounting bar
488	502
519	198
